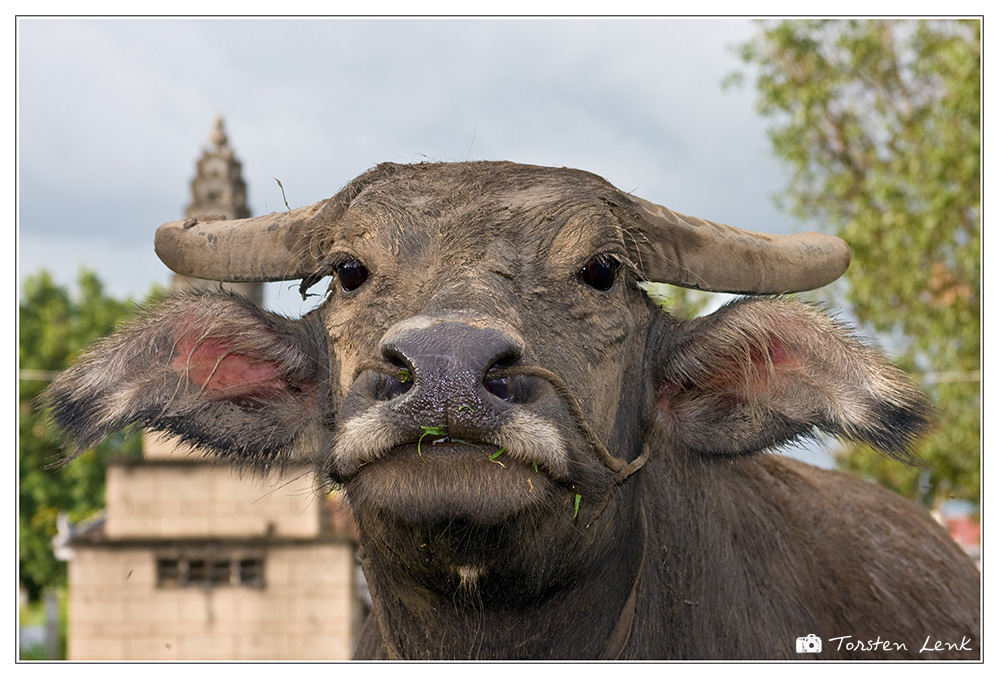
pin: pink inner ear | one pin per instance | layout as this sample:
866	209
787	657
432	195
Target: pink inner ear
779	353
733	379
780	359
224	373
767	371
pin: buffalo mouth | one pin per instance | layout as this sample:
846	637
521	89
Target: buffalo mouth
446	480
465	445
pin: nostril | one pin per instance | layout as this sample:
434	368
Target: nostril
393	387
396	381
502	388
498	387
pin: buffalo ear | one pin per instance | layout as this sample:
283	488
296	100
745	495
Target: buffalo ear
210	368
764	372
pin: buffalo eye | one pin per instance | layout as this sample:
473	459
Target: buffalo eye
352	274
600	272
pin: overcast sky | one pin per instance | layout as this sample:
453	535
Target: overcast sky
114	113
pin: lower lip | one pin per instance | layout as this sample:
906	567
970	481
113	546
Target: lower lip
449	481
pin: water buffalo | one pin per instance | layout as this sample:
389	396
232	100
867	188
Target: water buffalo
542	463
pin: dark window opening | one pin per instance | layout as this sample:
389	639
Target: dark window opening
188	571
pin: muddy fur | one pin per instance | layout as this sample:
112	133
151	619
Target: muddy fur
597	484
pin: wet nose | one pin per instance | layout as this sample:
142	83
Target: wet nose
449	363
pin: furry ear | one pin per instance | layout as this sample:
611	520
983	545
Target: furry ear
764	372
211	368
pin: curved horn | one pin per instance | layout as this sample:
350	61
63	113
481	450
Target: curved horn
260	249
691	252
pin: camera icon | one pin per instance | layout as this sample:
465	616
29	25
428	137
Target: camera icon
808	644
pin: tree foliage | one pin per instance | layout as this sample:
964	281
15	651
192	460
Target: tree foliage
879	123
54	325
681	303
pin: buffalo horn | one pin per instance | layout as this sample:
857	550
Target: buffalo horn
260	249
691	252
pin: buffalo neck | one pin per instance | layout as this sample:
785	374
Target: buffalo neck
519	599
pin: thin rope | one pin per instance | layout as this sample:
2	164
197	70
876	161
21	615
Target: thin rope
615	646
622	467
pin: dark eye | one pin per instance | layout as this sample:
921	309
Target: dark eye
600	272
352	274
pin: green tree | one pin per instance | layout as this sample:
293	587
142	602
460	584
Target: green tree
879	123
54	325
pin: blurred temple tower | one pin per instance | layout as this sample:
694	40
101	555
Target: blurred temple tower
194	560
218	188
